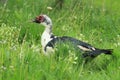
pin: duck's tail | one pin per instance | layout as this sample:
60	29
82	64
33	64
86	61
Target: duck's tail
98	52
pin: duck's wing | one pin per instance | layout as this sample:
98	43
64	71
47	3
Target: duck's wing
75	42
80	44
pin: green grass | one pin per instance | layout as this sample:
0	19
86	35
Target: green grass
93	21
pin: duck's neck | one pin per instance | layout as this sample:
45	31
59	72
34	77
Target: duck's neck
48	29
46	36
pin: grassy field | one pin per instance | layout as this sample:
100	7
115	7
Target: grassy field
93	21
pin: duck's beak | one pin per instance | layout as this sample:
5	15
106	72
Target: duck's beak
36	21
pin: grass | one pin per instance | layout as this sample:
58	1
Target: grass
93	21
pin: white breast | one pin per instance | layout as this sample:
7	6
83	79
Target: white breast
45	38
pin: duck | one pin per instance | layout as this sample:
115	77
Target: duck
49	40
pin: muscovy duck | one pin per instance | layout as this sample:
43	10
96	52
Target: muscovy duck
48	40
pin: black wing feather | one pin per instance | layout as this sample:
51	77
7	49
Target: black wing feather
73	41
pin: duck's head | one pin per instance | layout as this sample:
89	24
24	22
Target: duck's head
44	20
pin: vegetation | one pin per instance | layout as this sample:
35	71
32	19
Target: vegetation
93	21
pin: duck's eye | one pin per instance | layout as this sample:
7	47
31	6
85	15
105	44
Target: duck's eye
41	18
